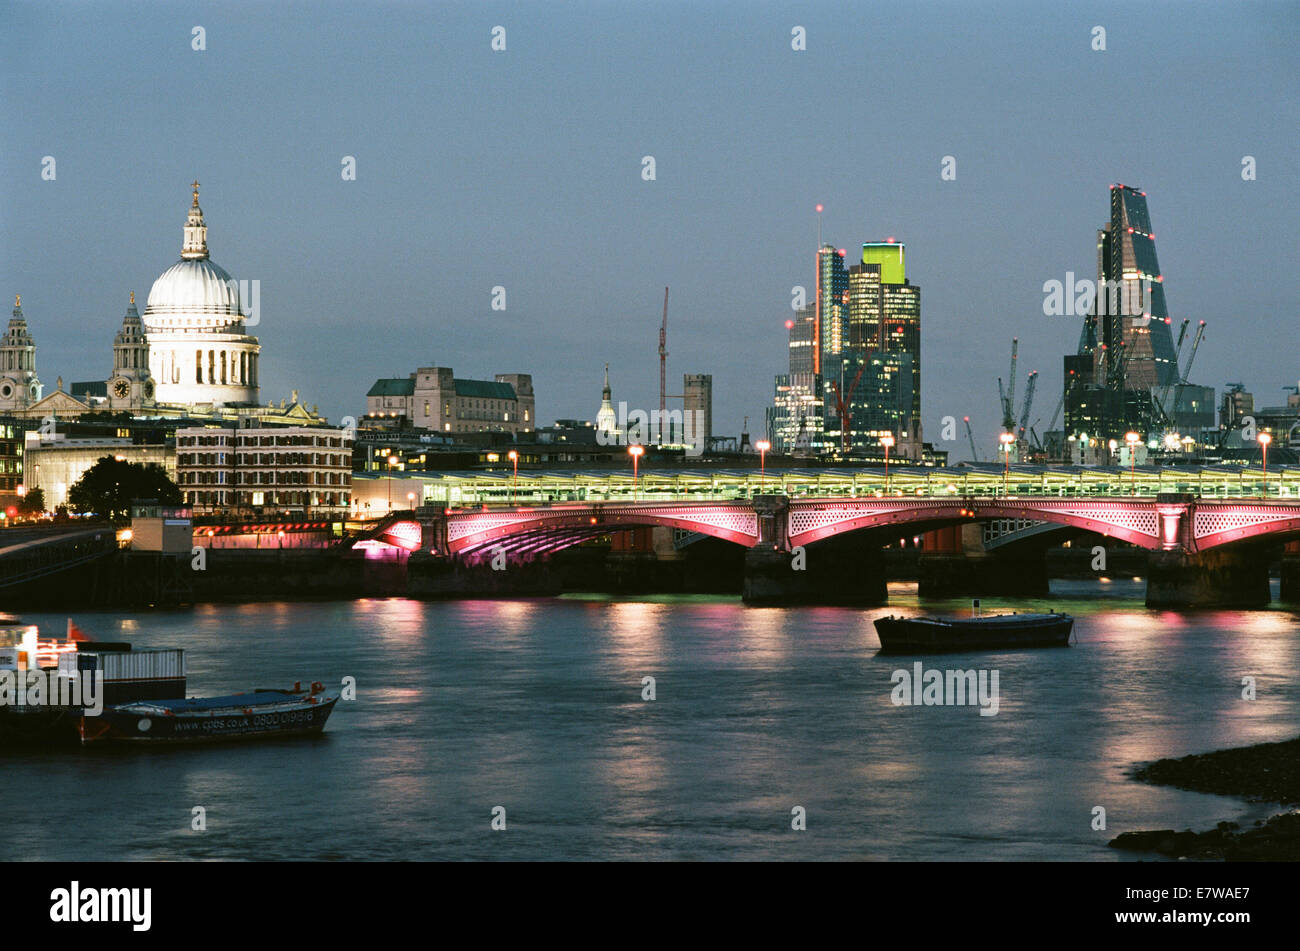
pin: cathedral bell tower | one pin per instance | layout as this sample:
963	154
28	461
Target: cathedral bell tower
19	386
131	385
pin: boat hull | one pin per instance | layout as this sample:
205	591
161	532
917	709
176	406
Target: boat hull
939	635
142	724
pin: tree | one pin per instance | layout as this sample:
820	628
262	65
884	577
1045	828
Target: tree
33	503
109	486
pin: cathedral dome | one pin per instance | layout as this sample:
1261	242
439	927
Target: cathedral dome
195	324
194	293
194	287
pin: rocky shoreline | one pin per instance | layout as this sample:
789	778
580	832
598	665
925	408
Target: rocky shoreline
1266	772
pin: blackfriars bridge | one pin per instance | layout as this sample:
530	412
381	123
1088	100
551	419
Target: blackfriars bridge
1207	548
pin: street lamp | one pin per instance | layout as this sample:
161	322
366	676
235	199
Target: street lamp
887	441
1132	439
1264	440
514	481
392	461
1006	439
410	500
762	446
635	452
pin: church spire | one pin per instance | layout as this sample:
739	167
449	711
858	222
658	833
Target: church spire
606	419
196	231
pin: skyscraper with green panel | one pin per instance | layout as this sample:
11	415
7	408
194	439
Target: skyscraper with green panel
884	316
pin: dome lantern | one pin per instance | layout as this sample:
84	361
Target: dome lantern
196	231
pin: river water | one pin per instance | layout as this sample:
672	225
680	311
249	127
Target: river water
536	706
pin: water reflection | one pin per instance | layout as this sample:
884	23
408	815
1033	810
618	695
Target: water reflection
536	705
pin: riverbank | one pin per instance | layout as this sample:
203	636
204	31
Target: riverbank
1266	772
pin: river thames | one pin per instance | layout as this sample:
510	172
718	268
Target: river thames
536	706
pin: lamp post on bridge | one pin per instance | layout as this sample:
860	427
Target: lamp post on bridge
887	440
392	461
762	446
1132	440
635	451
1264	440
1006	439
513	456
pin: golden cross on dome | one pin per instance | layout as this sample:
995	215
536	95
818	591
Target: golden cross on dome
132	300
196	192
18	300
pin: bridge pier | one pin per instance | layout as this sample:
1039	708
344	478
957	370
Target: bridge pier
1290	569
958	575
1291	574
437	576
823	574
1235	577
957	566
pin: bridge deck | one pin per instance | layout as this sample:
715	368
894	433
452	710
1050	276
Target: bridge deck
678	485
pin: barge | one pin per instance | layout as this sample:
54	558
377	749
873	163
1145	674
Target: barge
930	635
81	691
243	716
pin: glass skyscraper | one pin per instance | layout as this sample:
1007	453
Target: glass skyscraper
1127	335
1129	313
795	418
832	313
884	314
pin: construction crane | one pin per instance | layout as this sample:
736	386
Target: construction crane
974	453
1056	413
663	362
1162	396
1184	374
1191	357
1182	335
1008	397
842	406
1029	402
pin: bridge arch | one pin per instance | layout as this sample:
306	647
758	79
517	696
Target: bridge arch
1216	524
531	531
813	521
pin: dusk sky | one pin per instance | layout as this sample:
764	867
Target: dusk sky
523	169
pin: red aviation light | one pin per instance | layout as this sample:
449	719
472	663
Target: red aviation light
840	252
819	209
789	325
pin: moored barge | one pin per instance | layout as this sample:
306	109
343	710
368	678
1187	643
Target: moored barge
243	716
930	635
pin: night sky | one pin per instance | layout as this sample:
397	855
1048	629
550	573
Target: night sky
523	169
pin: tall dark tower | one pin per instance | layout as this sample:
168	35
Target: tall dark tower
1130	316
832	325
1126	338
